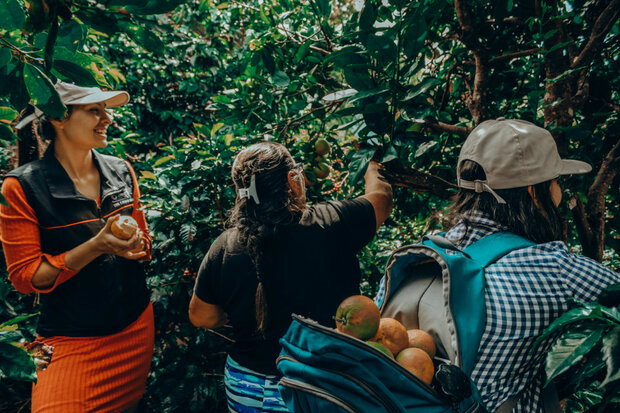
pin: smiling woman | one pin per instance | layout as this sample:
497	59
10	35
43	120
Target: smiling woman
57	239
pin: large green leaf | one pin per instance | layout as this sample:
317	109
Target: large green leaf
42	92
144	36
147	6
71	35
16	363
611	355
12	16
280	79
584	313
80	68
5	57
103	22
415	36
368	15
8	114
359	163
570	349
16	320
324	6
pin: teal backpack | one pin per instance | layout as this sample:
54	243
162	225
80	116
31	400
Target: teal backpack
433	286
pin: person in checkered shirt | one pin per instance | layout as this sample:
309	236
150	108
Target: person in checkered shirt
507	177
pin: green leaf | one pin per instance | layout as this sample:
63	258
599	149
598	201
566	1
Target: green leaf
325	7
10	336
8	114
16	363
268	60
359	163
570	349
12	16
415	36
584	313
149	6
611	356
6	134
390	154
421	88
368	15
102	22
71	35
70	72
144	36
42	92
339	95
16	320
280	79
5	57
85	61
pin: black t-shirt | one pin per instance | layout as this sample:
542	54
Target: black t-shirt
311	268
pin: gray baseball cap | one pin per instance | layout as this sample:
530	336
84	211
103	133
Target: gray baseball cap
514	153
71	94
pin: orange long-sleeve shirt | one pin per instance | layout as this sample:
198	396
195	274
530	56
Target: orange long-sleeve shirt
21	242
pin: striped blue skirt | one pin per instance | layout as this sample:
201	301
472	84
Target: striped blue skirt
250	392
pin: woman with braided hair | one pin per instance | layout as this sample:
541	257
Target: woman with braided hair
279	257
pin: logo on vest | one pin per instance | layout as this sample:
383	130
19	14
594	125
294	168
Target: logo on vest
121	199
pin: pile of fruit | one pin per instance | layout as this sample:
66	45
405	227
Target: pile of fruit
359	317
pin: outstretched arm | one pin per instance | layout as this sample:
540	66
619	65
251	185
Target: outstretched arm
379	192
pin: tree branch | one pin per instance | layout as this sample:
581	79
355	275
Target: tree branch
400	175
446	127
601	27
606	174
584	231
476	101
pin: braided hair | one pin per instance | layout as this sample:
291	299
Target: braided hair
258	223
519	214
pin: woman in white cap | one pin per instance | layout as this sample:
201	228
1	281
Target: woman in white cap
57	239
508	174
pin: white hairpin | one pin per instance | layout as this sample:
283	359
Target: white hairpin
250	192
36	115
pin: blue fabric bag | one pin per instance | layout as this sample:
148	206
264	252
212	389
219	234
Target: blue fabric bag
433	286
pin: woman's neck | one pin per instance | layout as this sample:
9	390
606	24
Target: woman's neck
76	161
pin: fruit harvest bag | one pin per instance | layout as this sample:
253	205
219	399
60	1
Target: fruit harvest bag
433	286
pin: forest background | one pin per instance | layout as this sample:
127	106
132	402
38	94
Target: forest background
404	81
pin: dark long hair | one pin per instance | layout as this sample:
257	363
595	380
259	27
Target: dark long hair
519	214
258	224
34	137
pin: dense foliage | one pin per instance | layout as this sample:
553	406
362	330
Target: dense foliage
403	81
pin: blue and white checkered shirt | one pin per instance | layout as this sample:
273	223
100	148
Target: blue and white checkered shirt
526	290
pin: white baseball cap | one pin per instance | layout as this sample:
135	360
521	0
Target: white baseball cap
71	94
514	153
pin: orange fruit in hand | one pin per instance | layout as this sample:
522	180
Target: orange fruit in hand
124	227
358	316
421	339
418	362
392	334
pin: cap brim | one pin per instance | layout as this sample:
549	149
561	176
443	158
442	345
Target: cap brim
572	166
111	99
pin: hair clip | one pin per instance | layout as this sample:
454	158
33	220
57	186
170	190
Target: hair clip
251	191
33	116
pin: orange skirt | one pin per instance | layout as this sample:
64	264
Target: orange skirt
96	374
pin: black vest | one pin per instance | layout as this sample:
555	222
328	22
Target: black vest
109	293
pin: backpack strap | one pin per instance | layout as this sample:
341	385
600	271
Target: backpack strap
491	248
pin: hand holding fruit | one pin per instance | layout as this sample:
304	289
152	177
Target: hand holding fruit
122	238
